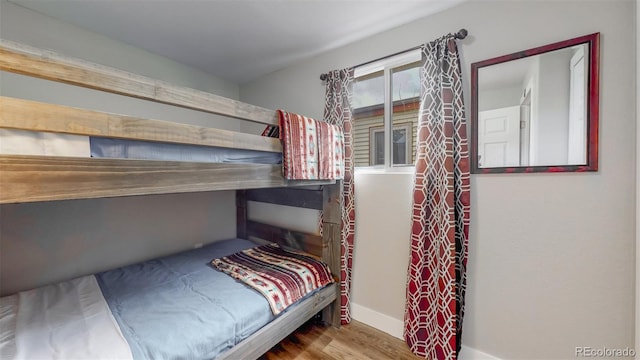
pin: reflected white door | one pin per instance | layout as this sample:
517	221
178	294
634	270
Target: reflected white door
577	111
499	137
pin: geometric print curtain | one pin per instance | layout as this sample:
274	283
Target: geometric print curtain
436	278
338	111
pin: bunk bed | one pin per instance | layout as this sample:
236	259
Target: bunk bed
33	178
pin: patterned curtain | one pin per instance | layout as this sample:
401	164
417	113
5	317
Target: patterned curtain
437	269
337	110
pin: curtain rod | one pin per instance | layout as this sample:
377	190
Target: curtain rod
461	34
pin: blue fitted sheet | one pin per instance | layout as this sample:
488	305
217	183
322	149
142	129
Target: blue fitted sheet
148	150
180	307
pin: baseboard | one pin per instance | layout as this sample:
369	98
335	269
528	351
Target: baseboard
467	353
382	322
395	328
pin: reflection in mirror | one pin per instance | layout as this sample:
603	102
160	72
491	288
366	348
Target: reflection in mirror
537	110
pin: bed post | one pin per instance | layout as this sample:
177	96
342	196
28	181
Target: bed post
331	237
241	214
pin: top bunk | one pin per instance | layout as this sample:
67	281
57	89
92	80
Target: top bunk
30	178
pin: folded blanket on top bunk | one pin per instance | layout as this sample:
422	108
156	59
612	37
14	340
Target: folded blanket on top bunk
173	307
311	149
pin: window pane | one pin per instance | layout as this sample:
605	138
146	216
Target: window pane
368	120
399	146
378	145
368	91
406	100
406	82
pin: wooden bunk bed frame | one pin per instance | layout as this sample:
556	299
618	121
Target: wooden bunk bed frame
46	178
61	178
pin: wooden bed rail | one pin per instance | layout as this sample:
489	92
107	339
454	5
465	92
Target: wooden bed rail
45	178
327	246
26	60
30	115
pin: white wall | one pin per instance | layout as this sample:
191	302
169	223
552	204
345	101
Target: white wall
551	260
50	241
381	199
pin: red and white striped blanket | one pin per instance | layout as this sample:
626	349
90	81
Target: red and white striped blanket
311	149
281	276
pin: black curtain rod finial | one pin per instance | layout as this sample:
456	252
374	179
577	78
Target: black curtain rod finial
461	34
323	77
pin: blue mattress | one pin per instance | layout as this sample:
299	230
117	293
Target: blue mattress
148	150
180	307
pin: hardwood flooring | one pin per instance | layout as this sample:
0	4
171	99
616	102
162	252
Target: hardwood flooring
355	341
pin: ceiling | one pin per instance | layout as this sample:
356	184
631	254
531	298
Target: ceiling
240	40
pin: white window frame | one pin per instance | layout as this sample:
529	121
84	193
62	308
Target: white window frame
386	66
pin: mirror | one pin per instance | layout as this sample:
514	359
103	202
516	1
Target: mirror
537	110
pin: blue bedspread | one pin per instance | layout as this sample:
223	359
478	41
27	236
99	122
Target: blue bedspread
180	307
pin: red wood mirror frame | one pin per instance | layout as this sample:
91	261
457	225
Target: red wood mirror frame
513	144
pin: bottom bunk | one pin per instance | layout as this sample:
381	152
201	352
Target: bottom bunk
182	305
178	306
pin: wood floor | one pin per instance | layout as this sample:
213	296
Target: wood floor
354	341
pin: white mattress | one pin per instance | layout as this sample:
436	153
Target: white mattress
69	320
20	142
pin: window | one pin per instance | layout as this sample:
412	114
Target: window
402	144
386	97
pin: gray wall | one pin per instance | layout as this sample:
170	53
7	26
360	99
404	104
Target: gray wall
551	256
499	98
32	28
45	242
